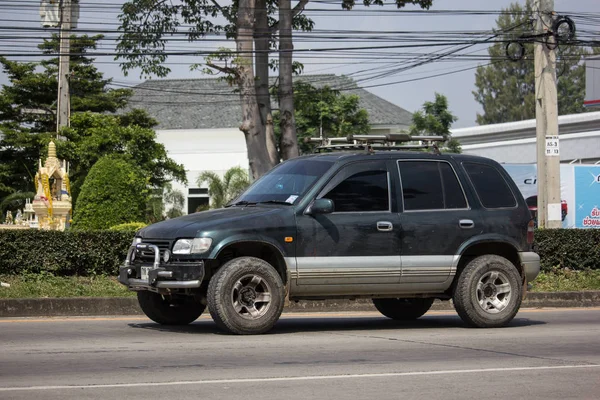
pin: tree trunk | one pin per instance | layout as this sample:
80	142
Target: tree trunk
289	141
251	121
262	35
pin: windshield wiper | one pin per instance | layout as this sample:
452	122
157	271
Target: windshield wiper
275	202
242	203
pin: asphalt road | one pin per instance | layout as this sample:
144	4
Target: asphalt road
545	354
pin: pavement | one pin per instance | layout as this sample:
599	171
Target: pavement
53	307
542	354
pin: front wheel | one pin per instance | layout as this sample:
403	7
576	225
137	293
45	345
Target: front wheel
168	310
488	292
246	296
403	309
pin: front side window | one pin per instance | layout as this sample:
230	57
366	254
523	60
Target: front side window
287	182
430	185
361	191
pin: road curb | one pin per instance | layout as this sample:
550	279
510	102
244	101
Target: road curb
60	307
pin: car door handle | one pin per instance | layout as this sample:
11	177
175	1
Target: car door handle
384	226
466	223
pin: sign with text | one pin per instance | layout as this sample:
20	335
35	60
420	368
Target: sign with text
552	146
587	194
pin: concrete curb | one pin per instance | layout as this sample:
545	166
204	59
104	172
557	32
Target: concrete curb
61	307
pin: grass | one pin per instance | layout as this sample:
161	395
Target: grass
46	285
566	281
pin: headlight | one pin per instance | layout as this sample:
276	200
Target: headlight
192	246
136	240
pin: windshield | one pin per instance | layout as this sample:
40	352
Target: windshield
285	183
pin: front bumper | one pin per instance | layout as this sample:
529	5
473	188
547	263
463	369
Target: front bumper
159	275
531	264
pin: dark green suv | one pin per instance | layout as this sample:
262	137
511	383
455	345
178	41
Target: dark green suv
401	228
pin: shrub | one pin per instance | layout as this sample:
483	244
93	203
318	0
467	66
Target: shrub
70	253
128	227
88	253
114	192
576	249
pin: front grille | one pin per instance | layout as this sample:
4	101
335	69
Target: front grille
148	255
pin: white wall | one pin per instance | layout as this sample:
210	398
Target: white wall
201	150
578	146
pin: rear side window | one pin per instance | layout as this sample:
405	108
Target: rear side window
491	187
430	185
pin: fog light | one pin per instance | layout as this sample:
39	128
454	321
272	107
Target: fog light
167	256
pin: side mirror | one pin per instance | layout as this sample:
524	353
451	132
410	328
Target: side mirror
321	206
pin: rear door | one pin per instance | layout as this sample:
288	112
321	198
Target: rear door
436	219
503	207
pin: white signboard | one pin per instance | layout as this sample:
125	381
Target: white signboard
552	146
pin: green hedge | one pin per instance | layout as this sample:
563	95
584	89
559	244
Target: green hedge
575	249
88	253
81	253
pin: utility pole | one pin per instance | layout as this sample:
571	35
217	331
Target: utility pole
63	109
546	112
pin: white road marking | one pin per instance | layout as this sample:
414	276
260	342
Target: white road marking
297	378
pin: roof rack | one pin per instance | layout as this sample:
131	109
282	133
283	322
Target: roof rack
372	143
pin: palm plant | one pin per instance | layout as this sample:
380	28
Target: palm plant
222	191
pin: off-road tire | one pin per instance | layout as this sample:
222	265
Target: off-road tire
170	311
403	309
227	306
470	298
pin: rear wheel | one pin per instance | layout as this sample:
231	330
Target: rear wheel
246	296
488	293
403	309
168	310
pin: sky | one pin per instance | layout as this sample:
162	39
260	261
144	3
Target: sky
376	69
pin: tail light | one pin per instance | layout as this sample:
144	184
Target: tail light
530	232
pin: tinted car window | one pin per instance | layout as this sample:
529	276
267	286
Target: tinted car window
454	197
287	182
491	187
421	185
430	185
361	192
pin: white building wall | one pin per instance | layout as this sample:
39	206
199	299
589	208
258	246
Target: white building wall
515	142
573	147
200	150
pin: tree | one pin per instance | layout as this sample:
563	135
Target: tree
506	89
174	199
435	119
114	192
92	136
27	122
165	202
222	191
324	108
28	107
251	23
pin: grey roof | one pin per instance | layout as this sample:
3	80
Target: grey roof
211	103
